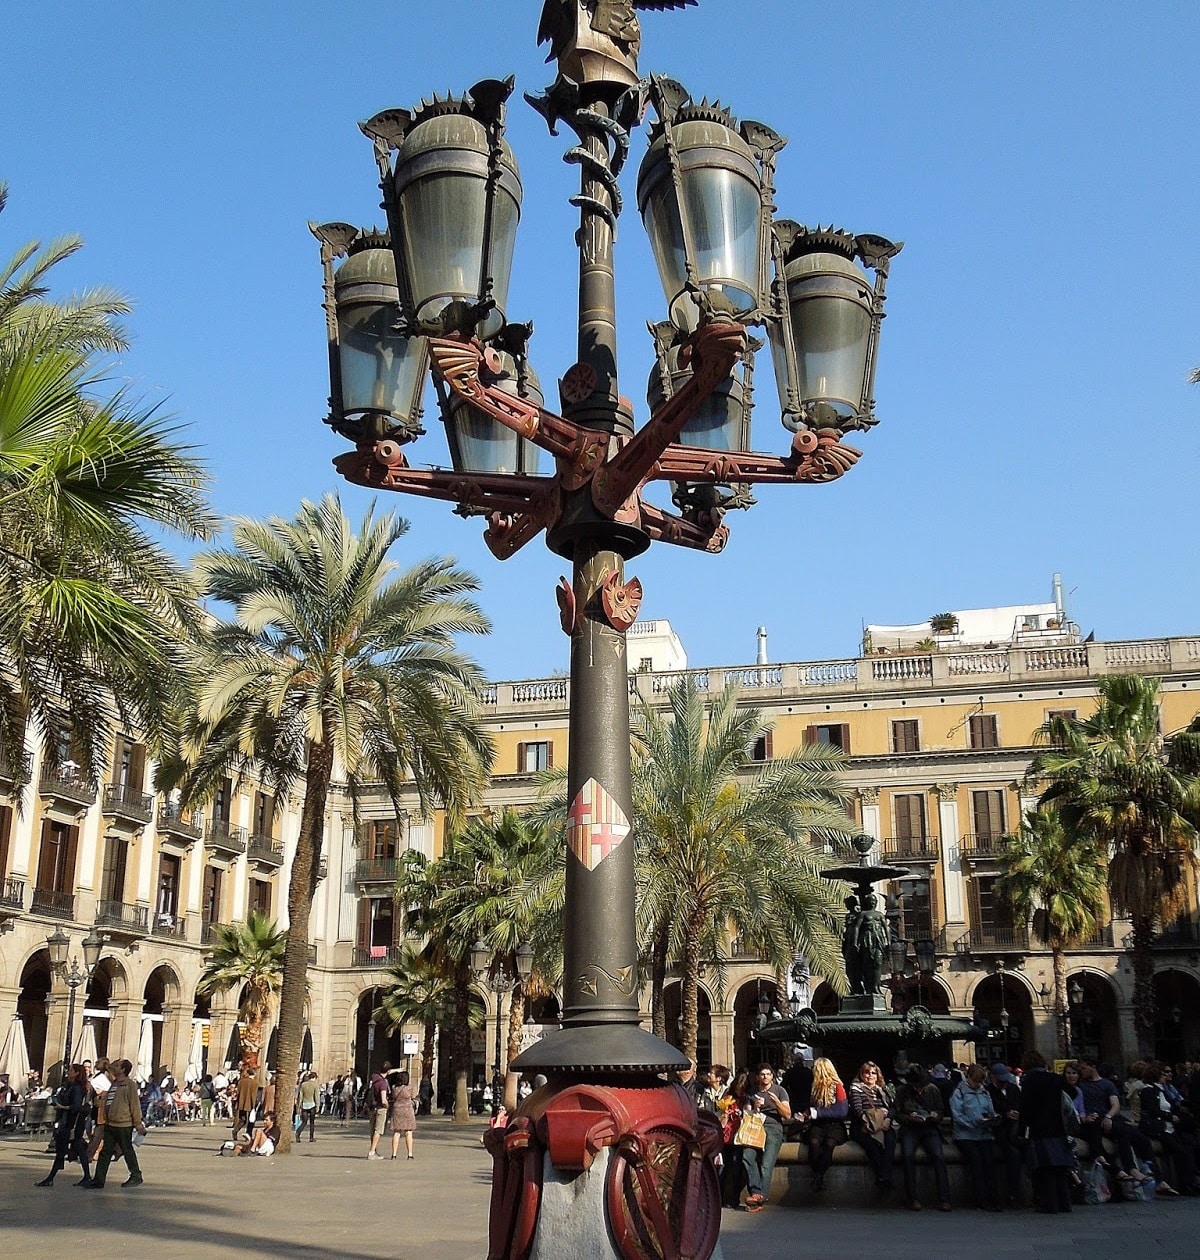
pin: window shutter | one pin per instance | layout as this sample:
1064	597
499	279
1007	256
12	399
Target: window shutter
68	866
364	923
810	735
768	744
522	764
845	738
550	754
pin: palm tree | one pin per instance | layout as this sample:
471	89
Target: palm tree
416	992
719	849
248	957
335	655
1047	868
499	882
86	321
93	609
1115	779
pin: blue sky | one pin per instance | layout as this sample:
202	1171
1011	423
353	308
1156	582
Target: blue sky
1041	162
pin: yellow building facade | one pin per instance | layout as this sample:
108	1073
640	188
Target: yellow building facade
938	742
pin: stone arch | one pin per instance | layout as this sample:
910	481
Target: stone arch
1002	1003
35	982
1176	1013
824	999
162	988
746	1046
115	978
930	991
1093	1027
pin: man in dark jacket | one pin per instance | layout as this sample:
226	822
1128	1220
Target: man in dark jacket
919	1107
1005	1090
1041	1121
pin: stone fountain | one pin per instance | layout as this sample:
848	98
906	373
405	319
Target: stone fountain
865	1027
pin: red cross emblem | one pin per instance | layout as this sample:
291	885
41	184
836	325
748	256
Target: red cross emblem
595	825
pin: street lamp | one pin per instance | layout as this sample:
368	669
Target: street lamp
500	972
58	945
705	189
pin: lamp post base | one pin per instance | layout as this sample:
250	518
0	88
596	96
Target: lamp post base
621	1169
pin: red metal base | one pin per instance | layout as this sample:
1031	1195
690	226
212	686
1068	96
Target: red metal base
662	1195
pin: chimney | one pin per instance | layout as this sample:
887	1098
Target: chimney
761	657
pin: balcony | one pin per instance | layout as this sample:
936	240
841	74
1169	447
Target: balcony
223	837
312	954
12	897
741	949
66	786
121	919
14	770
127	802
208	929
171	926
1101	938
981	846
265	850
377	870
993	942
375	955
58	905
1182	934
174	822
910	849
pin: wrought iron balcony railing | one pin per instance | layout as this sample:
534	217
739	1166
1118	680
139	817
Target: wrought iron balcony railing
173	821
66	785
912	848
12	894
15	768
119	916
59	905
224	837
983	844
375	955
173	926
123	800
265	850
993	940
377	870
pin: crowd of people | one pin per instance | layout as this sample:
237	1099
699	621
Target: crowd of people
1076	1134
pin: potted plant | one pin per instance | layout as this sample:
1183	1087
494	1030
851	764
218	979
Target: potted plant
943	623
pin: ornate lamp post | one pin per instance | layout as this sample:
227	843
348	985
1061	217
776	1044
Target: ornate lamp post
58	945
452	195
500	973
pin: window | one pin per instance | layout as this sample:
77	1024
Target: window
260	896
991	917
916	911
761	749
905	736
112	874
983	731
837	734
646	665
535	755
129	762
1067	715
987	813
381	839
56	857
167	902
376	925
910	815
222	802
210	905
264	814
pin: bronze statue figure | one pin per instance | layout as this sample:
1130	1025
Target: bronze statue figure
597	40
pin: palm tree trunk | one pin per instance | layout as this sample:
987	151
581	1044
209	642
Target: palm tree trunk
1143	983
691	982
658	982
516	1022
301	887
1059	958
461	1040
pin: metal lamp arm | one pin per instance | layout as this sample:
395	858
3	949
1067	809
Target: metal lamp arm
827	461
714	349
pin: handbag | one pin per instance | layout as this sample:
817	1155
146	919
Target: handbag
752	1131
872	1122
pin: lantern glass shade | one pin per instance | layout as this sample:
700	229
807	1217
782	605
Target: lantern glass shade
93	946
899	953
721	421
459	227
926	957
830	305
480	444
481	957
57	945
722	203
382	371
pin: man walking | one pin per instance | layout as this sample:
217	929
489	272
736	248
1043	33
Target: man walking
122	1115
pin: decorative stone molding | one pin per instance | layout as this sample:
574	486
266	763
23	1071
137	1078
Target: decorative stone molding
946	791
868	795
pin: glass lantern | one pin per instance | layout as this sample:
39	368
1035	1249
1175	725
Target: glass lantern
700	195
480	444
826	335
454	199
382	371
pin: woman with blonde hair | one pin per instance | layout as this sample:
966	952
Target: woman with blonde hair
829	1108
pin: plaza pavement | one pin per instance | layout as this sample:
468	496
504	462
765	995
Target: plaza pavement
328	1200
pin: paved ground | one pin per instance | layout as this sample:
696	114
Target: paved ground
328	1200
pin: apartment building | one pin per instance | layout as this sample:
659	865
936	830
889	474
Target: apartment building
938	730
